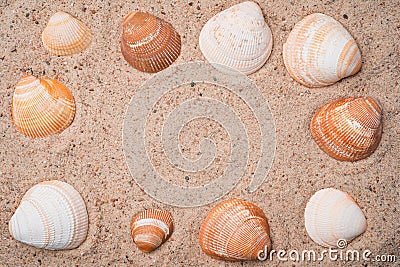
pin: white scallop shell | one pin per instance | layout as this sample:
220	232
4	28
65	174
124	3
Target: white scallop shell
52	215
332	215
320	51
238	38
65	35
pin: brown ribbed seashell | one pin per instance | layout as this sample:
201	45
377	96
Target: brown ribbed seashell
149	43
151	228
348	129
65	35
41	107
235	230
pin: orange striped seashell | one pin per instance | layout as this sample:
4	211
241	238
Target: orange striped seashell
65	35
151	228
319	51
235	230
41	107
149	43
348	129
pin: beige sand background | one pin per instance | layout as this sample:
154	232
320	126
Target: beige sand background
89	154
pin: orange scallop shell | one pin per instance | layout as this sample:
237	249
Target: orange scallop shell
235	230
149	43
348	129
151	228
41	107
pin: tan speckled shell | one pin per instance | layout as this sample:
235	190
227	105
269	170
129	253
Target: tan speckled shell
52	215
149	43
332	215
235	230
41	107
348	129
65	35
151	228
320	51
238	38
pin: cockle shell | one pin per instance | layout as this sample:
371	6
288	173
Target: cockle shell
151	228
348	129
320	51
238	38
149	43
65	35
41	107
235	230
52	215
332	215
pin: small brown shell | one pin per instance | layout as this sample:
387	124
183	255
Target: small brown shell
151	228
235	230
348	129
65	35
41	107
149	43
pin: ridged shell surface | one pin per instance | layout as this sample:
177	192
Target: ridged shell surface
320	51
149	43
65	35
41	107
348	129
332	215
151	228
52	215
235	230
238	38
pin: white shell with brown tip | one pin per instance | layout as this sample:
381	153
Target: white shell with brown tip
52	215
235	230
332	215
320	51
151	228
41	107
65	35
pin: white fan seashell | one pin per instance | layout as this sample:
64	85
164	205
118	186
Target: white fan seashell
238	38
65	35
332	215
52	215
320	51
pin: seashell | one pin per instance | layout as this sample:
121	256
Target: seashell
320	51
65	35
41	107
151	228
235	230
348	129
52	215
149	43
332	215
238	38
